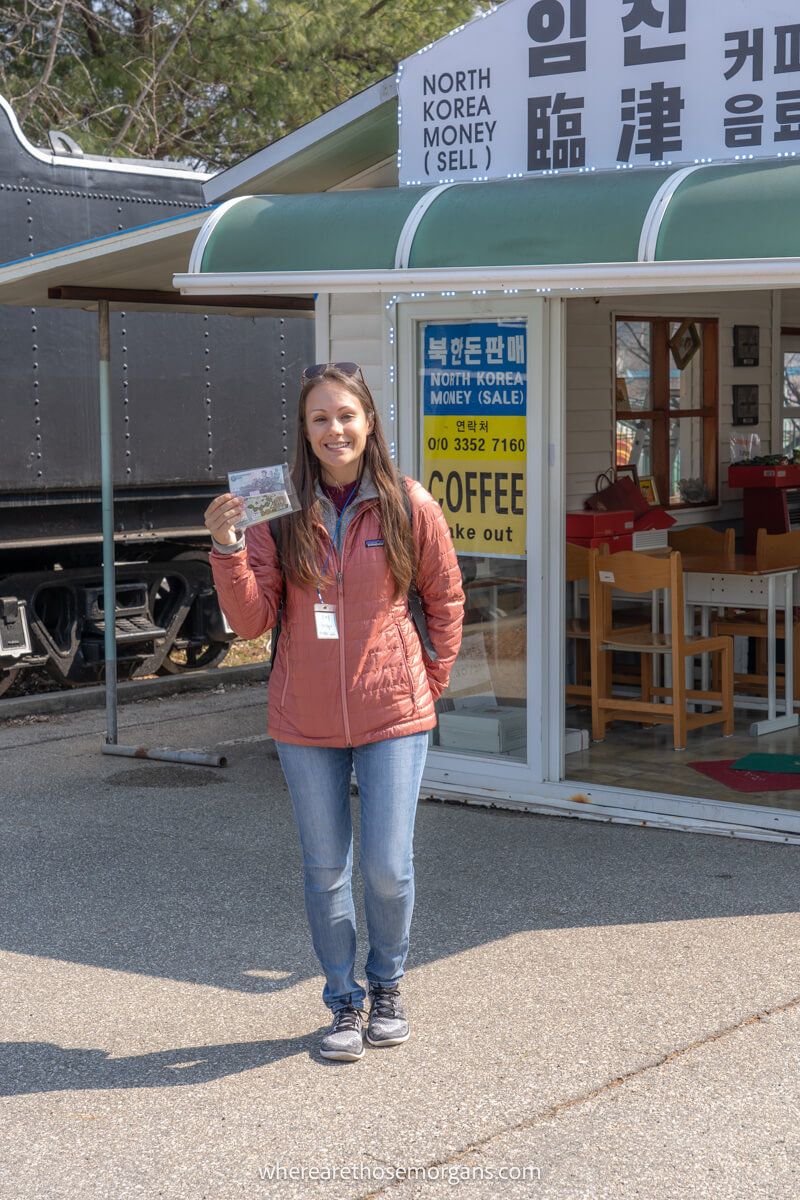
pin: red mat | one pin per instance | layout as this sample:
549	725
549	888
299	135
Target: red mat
746	781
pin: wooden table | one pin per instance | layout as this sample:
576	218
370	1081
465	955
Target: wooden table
712	581
719	582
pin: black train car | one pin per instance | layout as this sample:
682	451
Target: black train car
193	396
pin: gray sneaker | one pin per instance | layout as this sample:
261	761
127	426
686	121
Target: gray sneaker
387	1018
344	1040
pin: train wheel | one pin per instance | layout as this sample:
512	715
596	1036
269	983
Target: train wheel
189	653
194	658
8	677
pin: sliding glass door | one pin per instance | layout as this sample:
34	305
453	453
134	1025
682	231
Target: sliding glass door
470	399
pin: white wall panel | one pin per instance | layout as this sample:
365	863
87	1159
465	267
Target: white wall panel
357	335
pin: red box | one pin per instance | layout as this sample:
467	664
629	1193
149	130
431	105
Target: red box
654	518
764	477
596	524
620	541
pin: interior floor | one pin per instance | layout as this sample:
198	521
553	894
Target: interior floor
642	758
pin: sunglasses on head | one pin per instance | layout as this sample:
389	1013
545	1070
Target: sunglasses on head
347	368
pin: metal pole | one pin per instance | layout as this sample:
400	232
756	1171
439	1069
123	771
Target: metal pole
200	758
788	644
109	575
107	491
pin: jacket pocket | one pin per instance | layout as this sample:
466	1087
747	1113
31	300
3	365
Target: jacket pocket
406	664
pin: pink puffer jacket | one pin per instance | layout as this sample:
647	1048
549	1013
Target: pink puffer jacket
373	682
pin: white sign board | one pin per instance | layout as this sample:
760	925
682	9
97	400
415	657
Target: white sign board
543	85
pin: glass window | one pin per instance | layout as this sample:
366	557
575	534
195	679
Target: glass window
666	405
634	444
685	385
484	711
473	401
791	401
686	484
633	365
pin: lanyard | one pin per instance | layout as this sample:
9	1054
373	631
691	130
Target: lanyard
336	532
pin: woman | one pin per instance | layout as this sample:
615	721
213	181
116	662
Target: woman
351	686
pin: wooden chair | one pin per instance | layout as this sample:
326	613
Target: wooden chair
702	539
776	550
639	573
578	627
773	551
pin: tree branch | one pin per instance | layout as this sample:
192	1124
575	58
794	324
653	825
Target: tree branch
93	34
376	8
41	83
132	112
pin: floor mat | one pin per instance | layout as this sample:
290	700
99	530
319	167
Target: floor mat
780	764
722	770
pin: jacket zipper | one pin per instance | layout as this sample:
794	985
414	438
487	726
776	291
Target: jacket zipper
340	624
340	619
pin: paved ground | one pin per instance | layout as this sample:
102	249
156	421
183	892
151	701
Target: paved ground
614	1009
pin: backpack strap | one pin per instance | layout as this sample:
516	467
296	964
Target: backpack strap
414	601
276	529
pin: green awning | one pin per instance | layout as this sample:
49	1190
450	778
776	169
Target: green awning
325	231
705	228
557	219
621	230
593	218
745	211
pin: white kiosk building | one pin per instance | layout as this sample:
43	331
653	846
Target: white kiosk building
561	240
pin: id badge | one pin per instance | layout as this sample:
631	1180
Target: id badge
325	618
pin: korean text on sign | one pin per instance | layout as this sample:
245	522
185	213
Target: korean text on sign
474	410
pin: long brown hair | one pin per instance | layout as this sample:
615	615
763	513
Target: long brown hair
300	546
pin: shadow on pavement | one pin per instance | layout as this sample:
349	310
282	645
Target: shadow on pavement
205	885
33	1067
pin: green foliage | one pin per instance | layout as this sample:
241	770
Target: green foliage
201	81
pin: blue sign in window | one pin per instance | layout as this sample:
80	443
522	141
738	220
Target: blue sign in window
475	369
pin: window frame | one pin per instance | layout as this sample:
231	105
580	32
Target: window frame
786	412
445	767
660	414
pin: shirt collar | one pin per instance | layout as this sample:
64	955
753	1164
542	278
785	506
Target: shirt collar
367	491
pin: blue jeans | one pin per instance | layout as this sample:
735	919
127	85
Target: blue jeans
388	775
